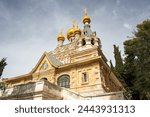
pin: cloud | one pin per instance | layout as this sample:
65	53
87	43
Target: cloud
127	26
28	28
117	2
114	12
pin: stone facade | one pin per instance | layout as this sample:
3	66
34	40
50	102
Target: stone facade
77	70
44	90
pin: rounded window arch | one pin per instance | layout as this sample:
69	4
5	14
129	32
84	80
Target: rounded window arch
44	78
83	42
64	81
92	41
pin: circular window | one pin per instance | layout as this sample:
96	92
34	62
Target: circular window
45	66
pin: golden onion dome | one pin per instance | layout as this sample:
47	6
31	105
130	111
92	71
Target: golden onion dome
86	19
77	31
70	32
61	37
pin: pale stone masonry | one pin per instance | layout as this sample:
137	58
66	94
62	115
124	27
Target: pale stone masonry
77	70
44	90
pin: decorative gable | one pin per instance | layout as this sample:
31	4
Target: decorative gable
47	61
44	65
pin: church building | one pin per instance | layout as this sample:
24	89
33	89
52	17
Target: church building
77	70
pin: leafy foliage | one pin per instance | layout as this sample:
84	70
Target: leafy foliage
136	68
118	62
138	60
2	65
2	86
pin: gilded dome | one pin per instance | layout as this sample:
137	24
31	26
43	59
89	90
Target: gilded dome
77	30
86	19
70	32
60	37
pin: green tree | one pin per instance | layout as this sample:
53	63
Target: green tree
134	72
118	62
137	62
111	66
118	70
2	65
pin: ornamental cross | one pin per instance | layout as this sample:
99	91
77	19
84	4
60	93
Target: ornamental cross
85	11
77	24
73	22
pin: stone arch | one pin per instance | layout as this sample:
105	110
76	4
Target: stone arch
44	78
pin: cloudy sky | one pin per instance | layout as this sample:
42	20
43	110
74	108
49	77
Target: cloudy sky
30	27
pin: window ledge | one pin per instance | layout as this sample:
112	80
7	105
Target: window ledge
85	83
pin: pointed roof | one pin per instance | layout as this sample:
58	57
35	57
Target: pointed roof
87	30
52	60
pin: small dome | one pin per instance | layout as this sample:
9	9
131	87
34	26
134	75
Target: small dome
86	19
77	31
70	32
61	37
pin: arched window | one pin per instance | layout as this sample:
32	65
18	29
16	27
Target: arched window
83	42
92	41
84	77
64	81
44	78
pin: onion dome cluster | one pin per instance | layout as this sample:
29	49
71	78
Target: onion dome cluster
73	31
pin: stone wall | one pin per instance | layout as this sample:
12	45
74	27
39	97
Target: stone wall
32	91
107	96
44	90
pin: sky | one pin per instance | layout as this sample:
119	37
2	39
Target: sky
30	27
